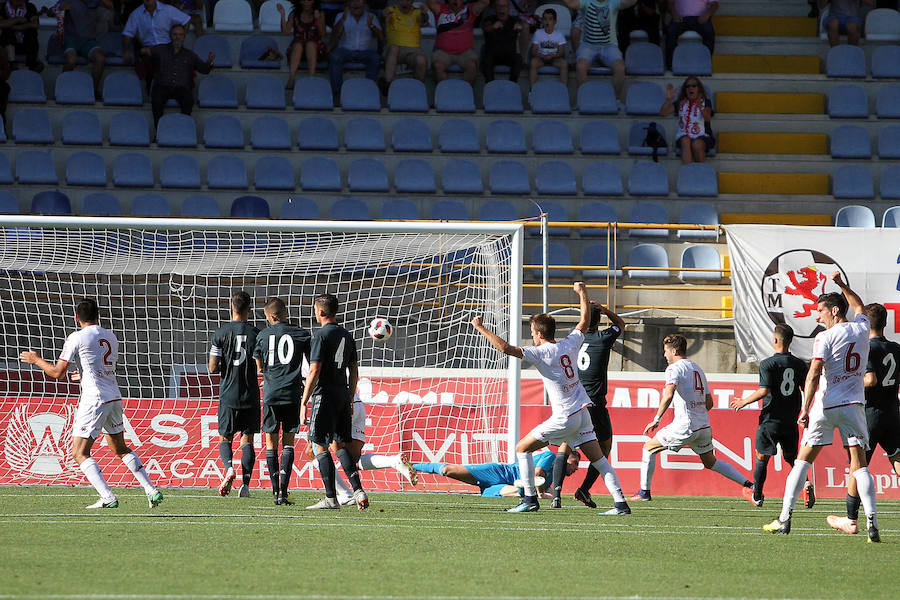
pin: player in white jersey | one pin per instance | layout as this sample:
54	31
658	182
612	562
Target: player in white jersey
570	422
834	398
100	407
688	392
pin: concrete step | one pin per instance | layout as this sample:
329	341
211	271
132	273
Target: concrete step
768	103
761	8
773	143
773	183
778	26
776	218
766	63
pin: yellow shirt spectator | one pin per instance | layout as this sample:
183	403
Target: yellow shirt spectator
403	29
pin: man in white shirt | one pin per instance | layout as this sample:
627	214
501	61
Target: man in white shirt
100	405
570	422
834	397
150	25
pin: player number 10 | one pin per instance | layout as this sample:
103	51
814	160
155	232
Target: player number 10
285	349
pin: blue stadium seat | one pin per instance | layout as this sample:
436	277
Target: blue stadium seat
300	208
179	171
889	183
8	203
81	128
889	142
505	136
32	126
101	204
5	170
363	134
200	205
232	15
51	203
458	135
320	174
461	177
449	210
270	133
313	93
367	175
250	207
601	256
644	58
691	60
176	130
2	131
503	96
557	255
850	141
217	91
350	209
35	166
551	137
132	170
255	46
317	133
852	181
85	168
213	42
360	93
509	177
265	91
648	178
74	87
648	212
407	95
27	87
497	210
601	178
223	131
399	209
414	176
129	129
891	217
698	214
700	257
556	213
886	62
454	95
555	178
845	61
644	98
847	101
549	97
274	173
855	216
597	97
226	172
697	179
411	135
595	212
122	89
599	137
648	255
887	103
111	44
636	135
150	205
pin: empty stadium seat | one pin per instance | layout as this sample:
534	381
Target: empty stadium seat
8	203
360	94
74	87
129	129
599	137
2	130
411	135
883	25
692	60
226	172
497	210
101	204
648	178
132	170
508	177
320	174
32	126
461	177
255	46
350	209
549	97
604	257
35	166
27	87
270	133
697	179
551	137
274	173
887	102
853	181
891	217
51	203
850	141
313	93
217	91
555	178
454	95
407	95
597	97
458	135
886	61
264	91
648	212
557	255
199	206
85	168
317	133
889	183
150	205
644	98
636	136
855	216
250	207
176	130
601	178
270	18
81	128
698	214
6	176
300	208
449	210
232	15
889	142
179	171
111	44
367	175
845	61
505	136
555	212
414	176
223	131
213	42
644	58
122	89
399	209
648	255
847	101
595	212
363	134
503	96
700	257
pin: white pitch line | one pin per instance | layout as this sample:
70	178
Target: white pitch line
320	597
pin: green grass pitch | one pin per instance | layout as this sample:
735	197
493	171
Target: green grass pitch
430	546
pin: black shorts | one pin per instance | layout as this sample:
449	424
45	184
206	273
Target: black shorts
286	415
602	424
709	140
769	435
330	421
232	420
884	430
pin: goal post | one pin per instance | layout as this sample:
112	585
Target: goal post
436	390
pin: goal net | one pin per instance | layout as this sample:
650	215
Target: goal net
435	391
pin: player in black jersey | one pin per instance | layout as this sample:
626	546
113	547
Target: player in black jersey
882	381
279	352
781	380
331	383
229	354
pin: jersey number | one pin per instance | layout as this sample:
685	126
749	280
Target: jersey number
891	364
241	351
698	382
584	359
566	364
851	363
339	355
104	343
285	349
787	382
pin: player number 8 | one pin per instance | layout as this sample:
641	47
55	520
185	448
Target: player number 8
566	363
787	382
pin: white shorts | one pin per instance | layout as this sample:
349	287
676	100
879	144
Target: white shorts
849	419
92	417
358	428
676	438
574	429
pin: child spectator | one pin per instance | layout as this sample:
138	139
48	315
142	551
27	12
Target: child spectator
693	110
548	47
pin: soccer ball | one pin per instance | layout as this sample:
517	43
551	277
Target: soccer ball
380	329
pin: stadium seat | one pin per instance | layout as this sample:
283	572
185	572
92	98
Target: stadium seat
35	166
217	91
882	25
399	209
255	46
700	257
889	183
557	255
648	212
122	89
697	179
597	97
889	142
101	204
698	214
74	87
551	137
360	94
8	203
692	60
508	177
226	172
595	212
853	181
461	177
223	131
270	18
200	206
317	133
449	210
505	136
891	217
51	203
85	168
407	95
129	129
855	216
2	131
503	96
176	130
458	135
179	171
850	141
270	133
320	174
411	135
367	175
264	91
648	178
555	178
845	61
644	98
250	207
363	134
32	126
644	58
497	210
601	178
232	15
213	42
636	136
26	86
648	255
350	209
414	176
455	96
599	137
6	176
132	170
602	256
549	97
81	128
150	205
300	208
274	173
111	44
847	101
313	93
887	102
556	213
886	61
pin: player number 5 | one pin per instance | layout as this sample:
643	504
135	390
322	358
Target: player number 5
240	340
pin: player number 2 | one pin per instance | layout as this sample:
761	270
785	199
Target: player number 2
787	382
104	343
285	349
566	363
891	364
851	363
239	341
584	359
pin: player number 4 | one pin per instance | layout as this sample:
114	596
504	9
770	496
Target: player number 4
698	382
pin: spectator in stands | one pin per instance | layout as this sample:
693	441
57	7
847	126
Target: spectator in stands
80	26
192	8
307	24
454	43
548	47
690	15
149	25
19	32
403	24
644	16
4	86
174	66
597	39
843	17
358	33
694	111
501	37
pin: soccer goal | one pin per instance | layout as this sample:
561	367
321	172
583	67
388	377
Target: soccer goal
435	390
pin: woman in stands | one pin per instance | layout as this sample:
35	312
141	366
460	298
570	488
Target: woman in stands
693	110
307	24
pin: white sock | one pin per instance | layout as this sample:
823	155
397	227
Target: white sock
610	479
727	470
367	462
140	473
648	465
343	490
526	472
795	481
865	487
91	470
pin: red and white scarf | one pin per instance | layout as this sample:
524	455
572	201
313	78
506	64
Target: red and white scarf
15	13
690	119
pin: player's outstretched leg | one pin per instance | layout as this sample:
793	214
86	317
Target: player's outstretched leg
154	496
226	455
792	488
612	484
398	462
248	458
865	485
94	475
352	473
648	466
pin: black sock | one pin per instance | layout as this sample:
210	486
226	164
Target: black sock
759	477
559	471
589	478
248	457
326	471
287	465
226	455
853	507
272	465
350	468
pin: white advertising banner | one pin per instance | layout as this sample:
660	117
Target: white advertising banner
778	271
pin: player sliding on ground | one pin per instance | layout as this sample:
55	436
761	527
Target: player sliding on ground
570	422
96	350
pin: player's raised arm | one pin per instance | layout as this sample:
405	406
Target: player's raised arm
852	297
495	340
667	397
57	371
615	319
584	307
